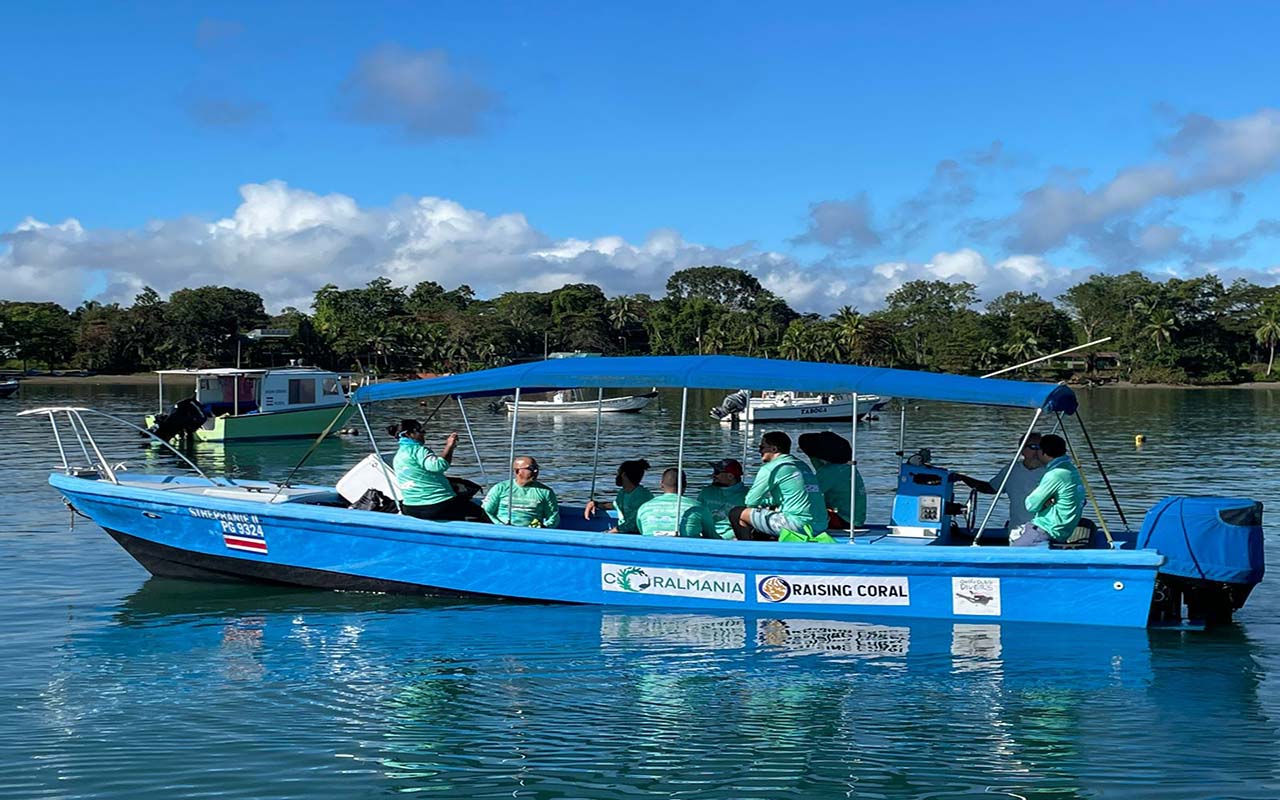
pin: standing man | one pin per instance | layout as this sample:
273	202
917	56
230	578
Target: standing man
1024	477
784	497
657	517
523	501
725	492
1057	503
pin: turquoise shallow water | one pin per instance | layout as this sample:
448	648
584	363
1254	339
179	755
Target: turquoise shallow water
121	686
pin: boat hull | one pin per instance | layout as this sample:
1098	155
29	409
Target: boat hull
615	405
761	411
297	424
174	530
8	388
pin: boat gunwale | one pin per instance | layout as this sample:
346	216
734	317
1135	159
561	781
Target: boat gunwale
457	534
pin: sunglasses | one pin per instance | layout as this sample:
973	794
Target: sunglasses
1033	447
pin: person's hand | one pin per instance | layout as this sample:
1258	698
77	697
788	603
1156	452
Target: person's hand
451	439
591	510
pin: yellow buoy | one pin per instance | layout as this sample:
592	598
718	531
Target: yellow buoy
1138	440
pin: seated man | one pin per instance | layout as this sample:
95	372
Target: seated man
657	517
1057	502
725	492
784	497
524	501
842	488
1019	481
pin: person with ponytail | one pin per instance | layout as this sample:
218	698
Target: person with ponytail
420	474
631	495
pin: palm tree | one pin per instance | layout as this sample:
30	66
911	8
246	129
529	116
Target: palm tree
622	312
1160	328
851	326
1023	348
753	331
1268	332
794	346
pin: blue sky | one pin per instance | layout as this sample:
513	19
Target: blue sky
835	150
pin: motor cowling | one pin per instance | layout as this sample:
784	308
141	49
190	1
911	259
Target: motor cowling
733	403
1213	556
182	420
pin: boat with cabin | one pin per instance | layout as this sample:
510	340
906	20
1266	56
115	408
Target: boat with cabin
233	404
790	406
1194	559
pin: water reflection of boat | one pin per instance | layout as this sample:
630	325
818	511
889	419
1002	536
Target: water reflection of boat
920	564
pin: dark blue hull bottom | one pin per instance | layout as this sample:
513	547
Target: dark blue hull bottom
164	561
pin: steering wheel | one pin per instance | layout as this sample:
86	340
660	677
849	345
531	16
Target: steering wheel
971	512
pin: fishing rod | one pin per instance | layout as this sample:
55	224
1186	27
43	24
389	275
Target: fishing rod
1038	359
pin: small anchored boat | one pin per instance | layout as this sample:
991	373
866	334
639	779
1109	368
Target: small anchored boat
8	388
573	400
253	404
791	406
1194	558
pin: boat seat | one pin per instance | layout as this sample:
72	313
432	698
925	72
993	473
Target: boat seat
1080	539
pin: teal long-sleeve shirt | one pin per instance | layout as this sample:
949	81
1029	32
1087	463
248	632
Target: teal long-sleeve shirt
533	501
787	484
420	474
1058	501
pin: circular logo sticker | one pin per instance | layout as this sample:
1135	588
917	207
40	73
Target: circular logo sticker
775	589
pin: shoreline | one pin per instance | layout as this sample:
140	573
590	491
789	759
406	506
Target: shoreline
150	378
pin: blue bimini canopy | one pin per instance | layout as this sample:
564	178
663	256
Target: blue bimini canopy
730	372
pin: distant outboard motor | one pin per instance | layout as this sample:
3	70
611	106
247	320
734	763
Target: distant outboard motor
182	420
1213	552
731	404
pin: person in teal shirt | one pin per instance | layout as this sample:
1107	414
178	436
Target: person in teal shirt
658	516
1058	500
785	495
631	495
425	491
726	492
832	459
523	501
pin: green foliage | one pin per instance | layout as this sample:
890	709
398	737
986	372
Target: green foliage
1179	331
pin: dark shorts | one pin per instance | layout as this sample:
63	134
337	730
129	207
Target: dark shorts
456	509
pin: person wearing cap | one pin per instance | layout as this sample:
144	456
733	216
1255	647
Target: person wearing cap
523	501
1020	480
725	492
657	517
784	496
832	459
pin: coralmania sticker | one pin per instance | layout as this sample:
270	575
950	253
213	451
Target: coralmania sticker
634	579
833	590
977	596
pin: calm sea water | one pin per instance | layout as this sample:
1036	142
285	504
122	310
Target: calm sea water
117	685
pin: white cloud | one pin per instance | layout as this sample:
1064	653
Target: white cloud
284	243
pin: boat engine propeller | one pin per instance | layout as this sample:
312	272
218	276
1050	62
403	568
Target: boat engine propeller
731	404
182	420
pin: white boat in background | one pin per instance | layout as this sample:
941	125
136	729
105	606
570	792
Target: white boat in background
793	407
573	400
8	388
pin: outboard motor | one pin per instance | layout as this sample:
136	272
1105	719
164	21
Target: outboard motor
182	420
1213	552
731	404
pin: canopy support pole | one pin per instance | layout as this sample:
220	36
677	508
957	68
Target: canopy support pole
310	450
1000	490
746	429
475	448
595	457
684	407
511	484
1088	490
1098	460
386	473
902	429
853	466
160	399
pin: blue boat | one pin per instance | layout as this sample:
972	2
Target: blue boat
1194	558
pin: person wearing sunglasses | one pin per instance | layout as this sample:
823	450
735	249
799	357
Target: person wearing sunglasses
524	501
1023	478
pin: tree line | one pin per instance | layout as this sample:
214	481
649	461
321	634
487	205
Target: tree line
1196	330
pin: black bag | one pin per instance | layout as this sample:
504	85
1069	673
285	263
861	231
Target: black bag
374	500
464	488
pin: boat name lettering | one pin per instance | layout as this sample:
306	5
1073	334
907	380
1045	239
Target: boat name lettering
224	516
673	582
834	590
